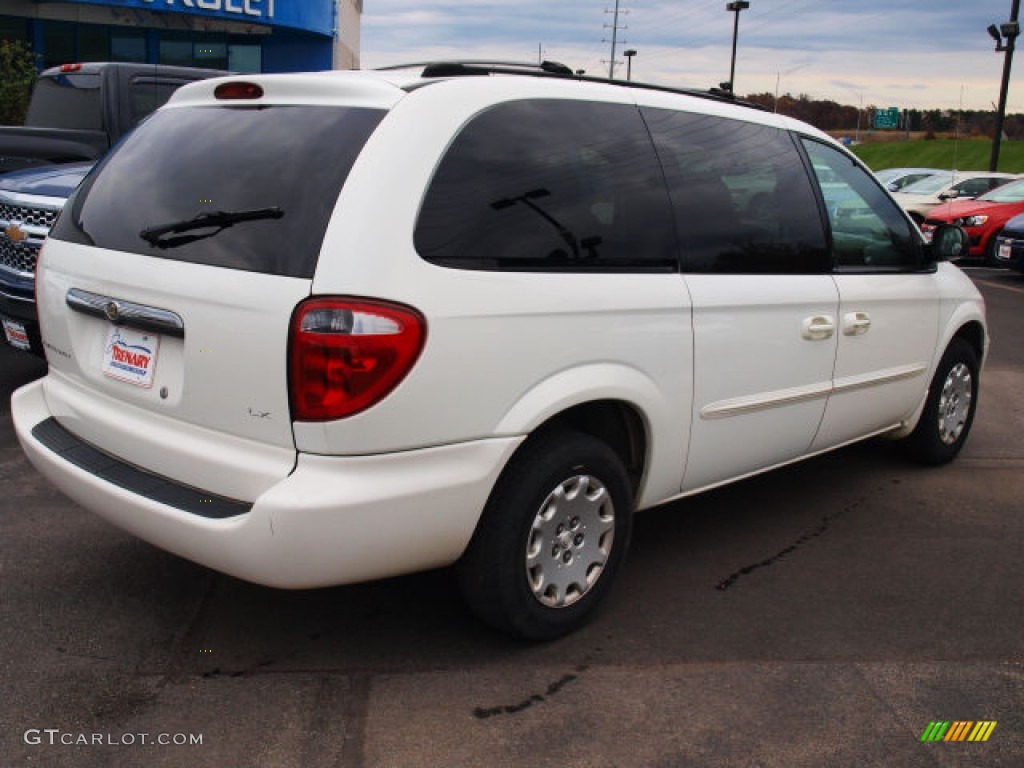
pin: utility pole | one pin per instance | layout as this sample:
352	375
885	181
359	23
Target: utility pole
1010	31
615	37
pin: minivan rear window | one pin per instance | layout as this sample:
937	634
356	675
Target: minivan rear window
237	187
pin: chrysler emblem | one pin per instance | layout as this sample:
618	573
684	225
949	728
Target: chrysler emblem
15	233
112	311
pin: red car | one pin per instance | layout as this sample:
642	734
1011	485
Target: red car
983	217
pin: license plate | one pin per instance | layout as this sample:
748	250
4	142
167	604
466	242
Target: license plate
1004	251
16	334
130	355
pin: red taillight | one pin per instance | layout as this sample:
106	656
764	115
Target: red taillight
346	355
237	90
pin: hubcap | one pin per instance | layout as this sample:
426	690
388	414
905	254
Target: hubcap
954	403
570	541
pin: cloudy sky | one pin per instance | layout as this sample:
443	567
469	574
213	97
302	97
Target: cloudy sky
924	54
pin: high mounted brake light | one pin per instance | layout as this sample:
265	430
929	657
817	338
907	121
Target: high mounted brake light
237	90
70	67
346	355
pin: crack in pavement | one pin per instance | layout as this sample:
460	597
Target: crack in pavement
483	713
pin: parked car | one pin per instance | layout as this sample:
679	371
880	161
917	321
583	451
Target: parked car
381	322
78	111
896	179
30	200
1009	250
920	198
983	217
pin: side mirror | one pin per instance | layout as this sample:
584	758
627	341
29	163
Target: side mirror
950	195
948	243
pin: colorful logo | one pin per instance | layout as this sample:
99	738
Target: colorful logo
133	358
958	730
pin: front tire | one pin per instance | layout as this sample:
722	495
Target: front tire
989	258
949	410
551	538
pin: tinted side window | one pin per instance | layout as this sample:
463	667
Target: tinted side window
971	187
978	186
549	185
742	197
868	229
148	94
280	169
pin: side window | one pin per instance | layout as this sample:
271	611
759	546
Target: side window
972	187
868	229
549	185
148	95
742	198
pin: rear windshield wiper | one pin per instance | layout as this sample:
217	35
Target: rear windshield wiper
217	220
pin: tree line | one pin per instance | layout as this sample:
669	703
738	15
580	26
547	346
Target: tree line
829	115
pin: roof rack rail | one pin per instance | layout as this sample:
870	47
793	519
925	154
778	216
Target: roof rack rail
471	67
458	67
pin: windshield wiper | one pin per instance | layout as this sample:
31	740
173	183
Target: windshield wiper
218	220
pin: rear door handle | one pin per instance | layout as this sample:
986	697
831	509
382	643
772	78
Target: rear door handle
818	327
121	312
856	323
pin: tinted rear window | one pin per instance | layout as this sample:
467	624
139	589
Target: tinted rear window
184	163
66	101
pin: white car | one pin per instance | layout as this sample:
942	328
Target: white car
922	196
315	329
896	179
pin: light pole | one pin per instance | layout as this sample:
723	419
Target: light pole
778	79
735	7
1010	31
629	54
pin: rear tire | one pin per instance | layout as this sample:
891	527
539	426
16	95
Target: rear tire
551	538
950	407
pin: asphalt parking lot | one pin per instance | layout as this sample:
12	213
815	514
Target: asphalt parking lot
821	615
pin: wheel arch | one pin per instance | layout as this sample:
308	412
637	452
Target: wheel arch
973	332
616	423
647	427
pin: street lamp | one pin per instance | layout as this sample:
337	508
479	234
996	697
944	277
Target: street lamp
629	62
735	7
1010	31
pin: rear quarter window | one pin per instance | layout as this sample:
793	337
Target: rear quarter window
549	185
189	162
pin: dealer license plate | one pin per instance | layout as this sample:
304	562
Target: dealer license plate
130	355
1004	251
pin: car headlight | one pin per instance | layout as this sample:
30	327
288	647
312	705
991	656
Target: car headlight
973	221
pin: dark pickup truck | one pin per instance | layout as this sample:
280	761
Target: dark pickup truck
78	111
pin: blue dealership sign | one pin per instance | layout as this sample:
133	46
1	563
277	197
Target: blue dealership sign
309	15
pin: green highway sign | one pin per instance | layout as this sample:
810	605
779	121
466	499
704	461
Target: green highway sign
887	118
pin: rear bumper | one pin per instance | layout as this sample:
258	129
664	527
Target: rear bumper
333	520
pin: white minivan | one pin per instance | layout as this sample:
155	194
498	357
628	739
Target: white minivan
315	329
